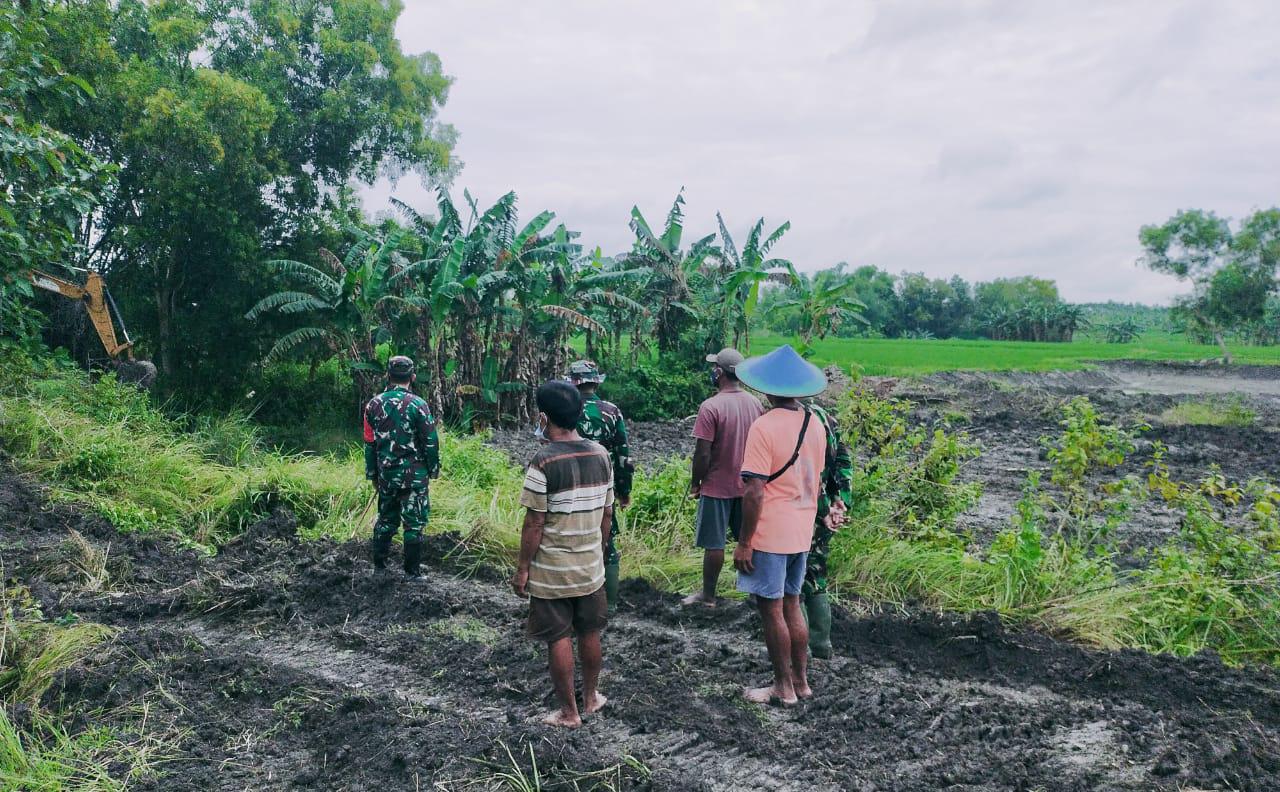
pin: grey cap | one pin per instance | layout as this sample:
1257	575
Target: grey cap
727	359
400	367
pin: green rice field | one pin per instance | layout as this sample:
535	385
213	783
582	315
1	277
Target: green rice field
907	357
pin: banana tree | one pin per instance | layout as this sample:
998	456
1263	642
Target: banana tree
825	308
749	270
668	288
349	302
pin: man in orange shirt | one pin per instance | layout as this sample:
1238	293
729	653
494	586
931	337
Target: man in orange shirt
782	472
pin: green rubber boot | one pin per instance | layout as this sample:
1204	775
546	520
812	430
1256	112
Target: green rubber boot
818	608
611	586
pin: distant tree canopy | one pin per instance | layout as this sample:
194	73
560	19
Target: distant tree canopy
1232	273
235	125
913	305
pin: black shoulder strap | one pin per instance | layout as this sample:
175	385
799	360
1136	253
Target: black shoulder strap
804	427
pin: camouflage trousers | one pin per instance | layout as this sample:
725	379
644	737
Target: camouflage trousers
815	573
611	557
409	505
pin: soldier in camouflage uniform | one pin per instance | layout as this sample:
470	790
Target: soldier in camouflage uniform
835	498
401	456
602	422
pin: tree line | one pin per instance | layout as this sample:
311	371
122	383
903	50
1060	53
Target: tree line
868	301
203	155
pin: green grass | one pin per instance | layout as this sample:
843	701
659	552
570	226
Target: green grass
105	447
1210	412
911	357
45	757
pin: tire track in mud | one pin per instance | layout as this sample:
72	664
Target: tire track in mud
283	665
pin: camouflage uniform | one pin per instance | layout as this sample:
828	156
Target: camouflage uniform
837	478
602	422
401	456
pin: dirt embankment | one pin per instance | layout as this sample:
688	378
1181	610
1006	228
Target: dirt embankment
280	665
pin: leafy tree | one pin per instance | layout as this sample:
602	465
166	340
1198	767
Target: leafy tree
236	123
935	305
47	181
1014	293
1121	331
875	288
1232	273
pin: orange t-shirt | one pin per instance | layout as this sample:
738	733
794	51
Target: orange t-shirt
790	501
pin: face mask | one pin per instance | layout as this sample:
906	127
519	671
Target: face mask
541	431
715	377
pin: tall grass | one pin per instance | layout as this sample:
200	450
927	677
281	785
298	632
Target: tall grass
39	753
105	446
45	757
33	651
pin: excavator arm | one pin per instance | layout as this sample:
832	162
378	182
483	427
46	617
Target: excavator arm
98	302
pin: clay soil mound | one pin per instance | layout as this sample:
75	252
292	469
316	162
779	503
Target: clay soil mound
282	665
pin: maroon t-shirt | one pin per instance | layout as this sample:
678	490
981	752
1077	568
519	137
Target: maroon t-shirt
724	420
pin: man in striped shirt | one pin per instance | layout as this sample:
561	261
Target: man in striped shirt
568	497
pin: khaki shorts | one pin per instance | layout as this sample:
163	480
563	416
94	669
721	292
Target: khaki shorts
553	619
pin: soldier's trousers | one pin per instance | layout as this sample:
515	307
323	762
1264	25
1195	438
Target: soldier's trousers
815	573
611	556
409	505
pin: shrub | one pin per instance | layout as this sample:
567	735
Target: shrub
652	391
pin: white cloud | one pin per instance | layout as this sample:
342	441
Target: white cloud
986	138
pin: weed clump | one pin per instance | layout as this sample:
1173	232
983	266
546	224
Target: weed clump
1232	411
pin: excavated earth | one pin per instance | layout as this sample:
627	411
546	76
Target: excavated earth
286	665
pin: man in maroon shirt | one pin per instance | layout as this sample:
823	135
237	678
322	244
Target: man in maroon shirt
721	434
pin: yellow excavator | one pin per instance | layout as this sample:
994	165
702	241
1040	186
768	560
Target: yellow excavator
104	315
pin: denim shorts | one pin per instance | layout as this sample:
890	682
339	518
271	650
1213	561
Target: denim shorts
717	517
775	574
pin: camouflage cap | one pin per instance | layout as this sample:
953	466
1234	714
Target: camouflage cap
400	367
584	371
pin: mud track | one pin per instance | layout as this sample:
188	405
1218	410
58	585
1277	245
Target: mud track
280	665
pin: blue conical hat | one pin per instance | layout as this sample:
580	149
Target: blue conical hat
782	372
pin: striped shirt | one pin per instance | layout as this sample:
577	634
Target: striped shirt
572	483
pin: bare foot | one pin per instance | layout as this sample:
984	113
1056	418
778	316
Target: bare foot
770	695
698	598
559	718
803	691
594	704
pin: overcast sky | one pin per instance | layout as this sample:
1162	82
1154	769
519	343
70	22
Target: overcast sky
985	138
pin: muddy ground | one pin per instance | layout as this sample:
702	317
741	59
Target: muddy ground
1008	416
281	665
